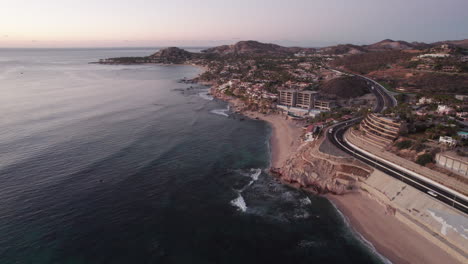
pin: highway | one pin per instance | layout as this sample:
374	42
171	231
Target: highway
425	185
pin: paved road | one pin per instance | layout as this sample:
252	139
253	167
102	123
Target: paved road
435	190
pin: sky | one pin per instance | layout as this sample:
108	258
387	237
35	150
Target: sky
151	23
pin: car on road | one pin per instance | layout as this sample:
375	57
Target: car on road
330	130
432	193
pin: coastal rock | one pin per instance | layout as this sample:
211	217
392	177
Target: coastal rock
317	172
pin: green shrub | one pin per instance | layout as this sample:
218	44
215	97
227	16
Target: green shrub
424	159
405	144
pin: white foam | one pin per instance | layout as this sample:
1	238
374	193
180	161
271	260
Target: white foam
305	201
239	202
256	173
301	214
223	112
205	95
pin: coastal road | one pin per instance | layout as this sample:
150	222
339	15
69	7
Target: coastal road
425	185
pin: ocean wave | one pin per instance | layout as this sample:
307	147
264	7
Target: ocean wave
206	95
223	112
239	202
254	174
302	214
305	201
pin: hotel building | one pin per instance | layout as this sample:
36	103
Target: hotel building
306	99
288	97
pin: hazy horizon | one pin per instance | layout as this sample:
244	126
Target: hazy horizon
121	23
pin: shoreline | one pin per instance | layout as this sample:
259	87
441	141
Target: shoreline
389	236
284	139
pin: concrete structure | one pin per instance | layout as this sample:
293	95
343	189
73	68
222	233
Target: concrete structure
451	161
380	130
463	134
324	105
434	55
461	97
448	141
445	110
288	97
450	68
305	99
425	100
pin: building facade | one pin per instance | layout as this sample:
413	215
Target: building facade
305	99
324	105
288	97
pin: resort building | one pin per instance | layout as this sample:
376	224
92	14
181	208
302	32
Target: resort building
448	141
305	99
288	97
380	130
324	105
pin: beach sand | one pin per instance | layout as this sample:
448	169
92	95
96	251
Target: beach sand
285	138
392	238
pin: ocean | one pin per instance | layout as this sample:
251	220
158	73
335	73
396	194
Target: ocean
124	164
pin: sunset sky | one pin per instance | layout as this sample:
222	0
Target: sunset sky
118	23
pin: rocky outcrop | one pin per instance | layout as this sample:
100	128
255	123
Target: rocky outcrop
321	173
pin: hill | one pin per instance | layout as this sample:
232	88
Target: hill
343	49
388	44
372	61
172	55
345	87
251	47
384	45
459	43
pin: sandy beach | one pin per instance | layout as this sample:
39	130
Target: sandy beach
392	238
285	138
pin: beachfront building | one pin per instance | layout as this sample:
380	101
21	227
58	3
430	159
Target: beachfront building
447	141
380	130
302	103
288	97
305	99
324	105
